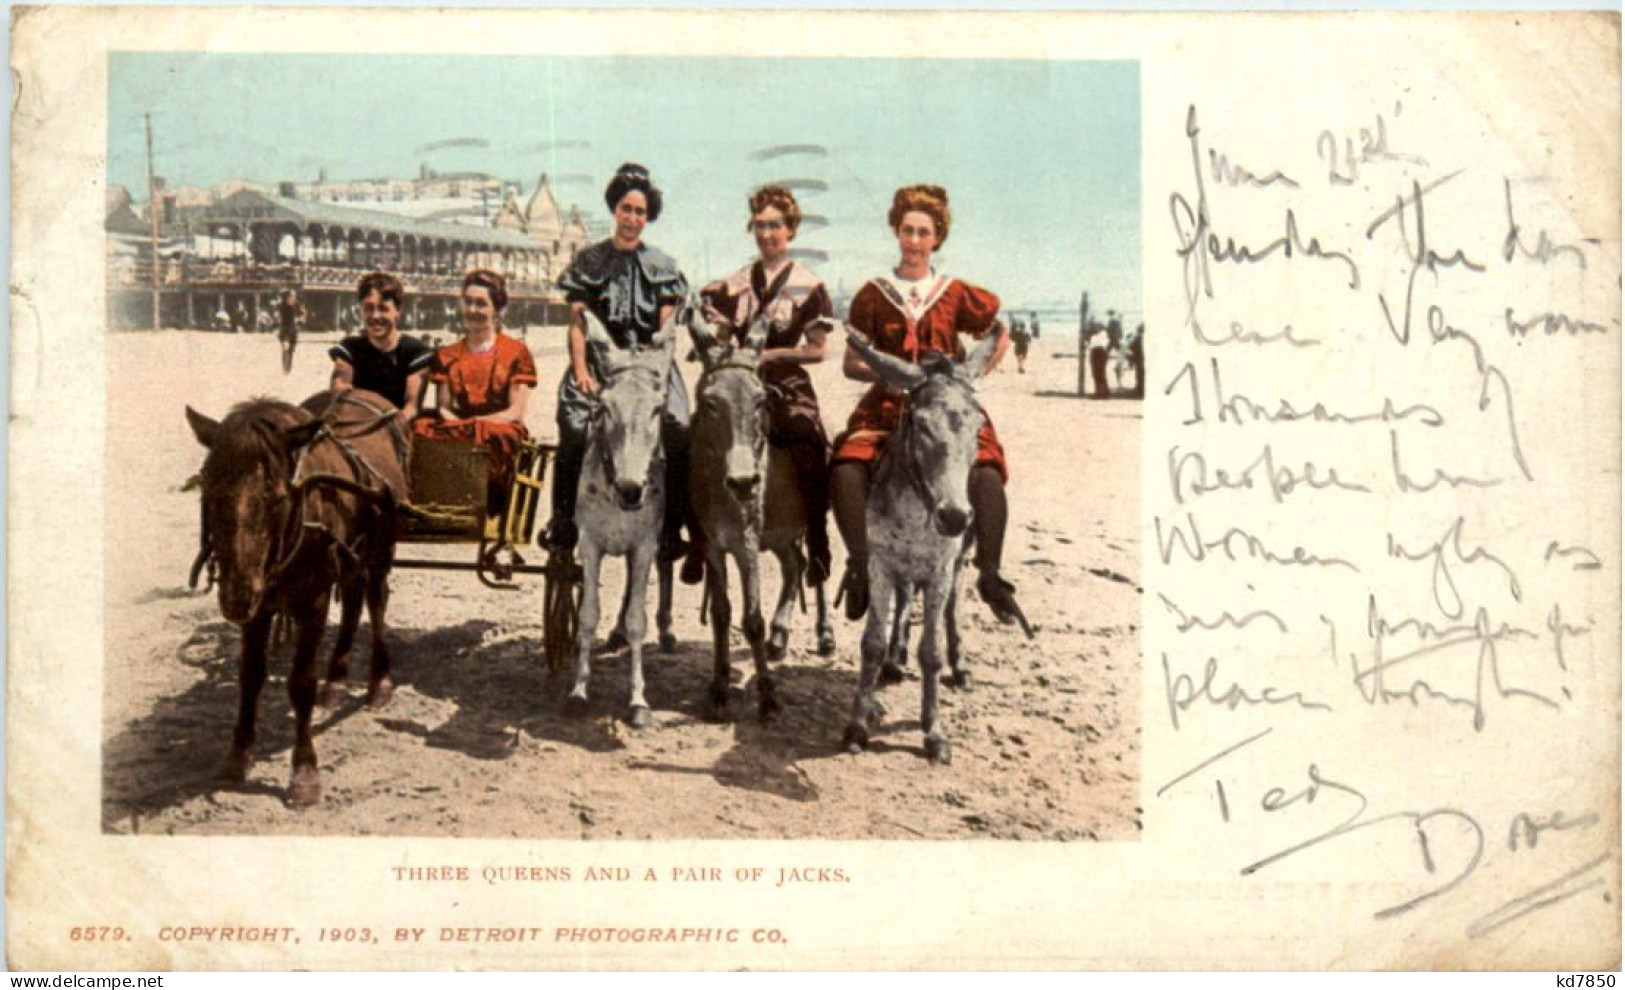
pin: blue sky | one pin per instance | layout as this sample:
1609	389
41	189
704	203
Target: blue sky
1041	159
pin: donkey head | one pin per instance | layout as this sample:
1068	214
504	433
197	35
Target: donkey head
935	444
247	496
730	425
626	421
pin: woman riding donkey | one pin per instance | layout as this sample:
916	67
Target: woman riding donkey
912	312
796	306
631	288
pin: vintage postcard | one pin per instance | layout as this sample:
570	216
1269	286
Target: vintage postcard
616	490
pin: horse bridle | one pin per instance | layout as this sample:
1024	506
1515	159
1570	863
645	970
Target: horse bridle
911	467
294	527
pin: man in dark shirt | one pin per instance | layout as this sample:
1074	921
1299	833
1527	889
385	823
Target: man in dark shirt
291	314
381	359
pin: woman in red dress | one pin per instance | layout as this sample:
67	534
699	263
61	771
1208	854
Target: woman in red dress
482	384
909	312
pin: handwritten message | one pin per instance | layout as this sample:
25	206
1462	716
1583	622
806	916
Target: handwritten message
1382	522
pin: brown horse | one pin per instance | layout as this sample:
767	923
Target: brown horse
297	500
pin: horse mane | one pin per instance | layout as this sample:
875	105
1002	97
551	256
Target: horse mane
237	444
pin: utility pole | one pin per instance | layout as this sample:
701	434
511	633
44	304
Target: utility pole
1083	346
152	217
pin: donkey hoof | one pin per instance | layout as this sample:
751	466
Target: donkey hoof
305	789
235	769
616	641
778	642
716	705
856	739
575	706
380	694
639	717
959	680
936	750
767	708
891	673
826	643
335	696
668	643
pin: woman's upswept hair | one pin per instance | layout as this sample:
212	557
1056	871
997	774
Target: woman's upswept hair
632	177
780	199
491	282
930	200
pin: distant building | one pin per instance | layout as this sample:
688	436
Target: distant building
240	241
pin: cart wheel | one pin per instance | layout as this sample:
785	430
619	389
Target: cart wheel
560	618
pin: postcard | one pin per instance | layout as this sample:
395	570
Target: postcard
701	490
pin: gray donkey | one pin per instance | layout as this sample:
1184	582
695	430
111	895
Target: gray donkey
919	514
621	504
744	492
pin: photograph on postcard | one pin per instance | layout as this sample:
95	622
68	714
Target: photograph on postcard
713	447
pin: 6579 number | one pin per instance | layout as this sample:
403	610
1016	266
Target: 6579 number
97	933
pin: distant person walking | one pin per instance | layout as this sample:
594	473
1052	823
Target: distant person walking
1022	338
290	314
1136	353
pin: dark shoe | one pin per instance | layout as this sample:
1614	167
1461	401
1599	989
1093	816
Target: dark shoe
693	570
855	589
1000	596
561	535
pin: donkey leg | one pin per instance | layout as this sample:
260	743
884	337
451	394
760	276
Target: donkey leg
251	677
936	743
380	686
958	677
338	665
305	789
790	568
586	626
750	569
668	640
876	631
891	672
637	618
716	579
618	639
826	626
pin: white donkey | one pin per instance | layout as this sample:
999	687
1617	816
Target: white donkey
622	500
918	516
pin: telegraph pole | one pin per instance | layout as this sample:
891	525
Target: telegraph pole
1083	347
152	217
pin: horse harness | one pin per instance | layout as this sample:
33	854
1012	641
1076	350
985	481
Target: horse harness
296	527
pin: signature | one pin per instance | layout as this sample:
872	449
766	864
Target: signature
1448	844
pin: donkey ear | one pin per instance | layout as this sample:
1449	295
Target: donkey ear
202	426
981	356
756	338
896	372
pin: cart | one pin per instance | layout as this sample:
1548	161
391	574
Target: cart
449	505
